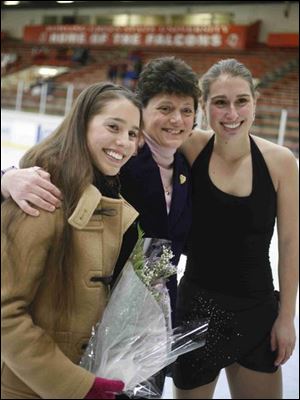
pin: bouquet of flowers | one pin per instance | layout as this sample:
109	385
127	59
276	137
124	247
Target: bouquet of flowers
134	339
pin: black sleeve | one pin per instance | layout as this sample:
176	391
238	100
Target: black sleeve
185	248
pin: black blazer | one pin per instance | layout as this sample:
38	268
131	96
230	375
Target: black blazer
142	187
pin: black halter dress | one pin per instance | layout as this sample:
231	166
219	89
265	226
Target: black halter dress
228	275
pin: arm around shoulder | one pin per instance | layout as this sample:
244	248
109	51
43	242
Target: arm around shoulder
30	186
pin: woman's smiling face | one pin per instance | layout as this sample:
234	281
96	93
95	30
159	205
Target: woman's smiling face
169	118
230	106
112	135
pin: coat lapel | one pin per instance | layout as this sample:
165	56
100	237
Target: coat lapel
149	181
180	190
149	199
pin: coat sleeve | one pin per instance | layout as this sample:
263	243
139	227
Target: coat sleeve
27	349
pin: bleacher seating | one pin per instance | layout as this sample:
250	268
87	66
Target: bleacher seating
276	70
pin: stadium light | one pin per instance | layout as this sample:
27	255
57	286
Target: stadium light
46	71
11	3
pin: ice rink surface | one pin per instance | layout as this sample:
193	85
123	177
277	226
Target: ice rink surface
10	156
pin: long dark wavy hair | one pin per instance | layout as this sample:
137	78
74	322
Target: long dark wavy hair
64	154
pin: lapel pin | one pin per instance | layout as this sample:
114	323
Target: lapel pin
182	179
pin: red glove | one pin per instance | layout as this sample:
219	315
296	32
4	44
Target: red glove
104	389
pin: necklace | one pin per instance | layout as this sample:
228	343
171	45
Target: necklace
167	190
166	175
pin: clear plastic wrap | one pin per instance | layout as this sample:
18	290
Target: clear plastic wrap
134	339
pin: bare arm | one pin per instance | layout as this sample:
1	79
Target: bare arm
30	186
283	332
195	144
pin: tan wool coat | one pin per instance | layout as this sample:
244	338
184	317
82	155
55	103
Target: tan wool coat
38	360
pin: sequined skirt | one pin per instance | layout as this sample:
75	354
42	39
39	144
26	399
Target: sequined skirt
239	328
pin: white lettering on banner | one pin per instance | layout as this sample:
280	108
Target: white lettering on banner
216	40
180	40
65	28
77	38
137	29
198	36
142	36
203	40
149	38
191	40
127	38
98	38
165	40
232	40
159	39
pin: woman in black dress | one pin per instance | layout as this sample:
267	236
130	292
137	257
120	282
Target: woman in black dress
241	185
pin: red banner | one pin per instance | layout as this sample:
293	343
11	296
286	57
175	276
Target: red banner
283	39
222	36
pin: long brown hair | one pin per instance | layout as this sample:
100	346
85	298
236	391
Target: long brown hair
64	154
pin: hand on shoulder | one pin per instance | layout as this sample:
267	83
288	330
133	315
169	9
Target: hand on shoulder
31	186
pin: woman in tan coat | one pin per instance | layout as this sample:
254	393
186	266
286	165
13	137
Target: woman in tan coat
55	268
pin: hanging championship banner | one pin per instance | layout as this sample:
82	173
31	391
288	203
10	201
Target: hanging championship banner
218	36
